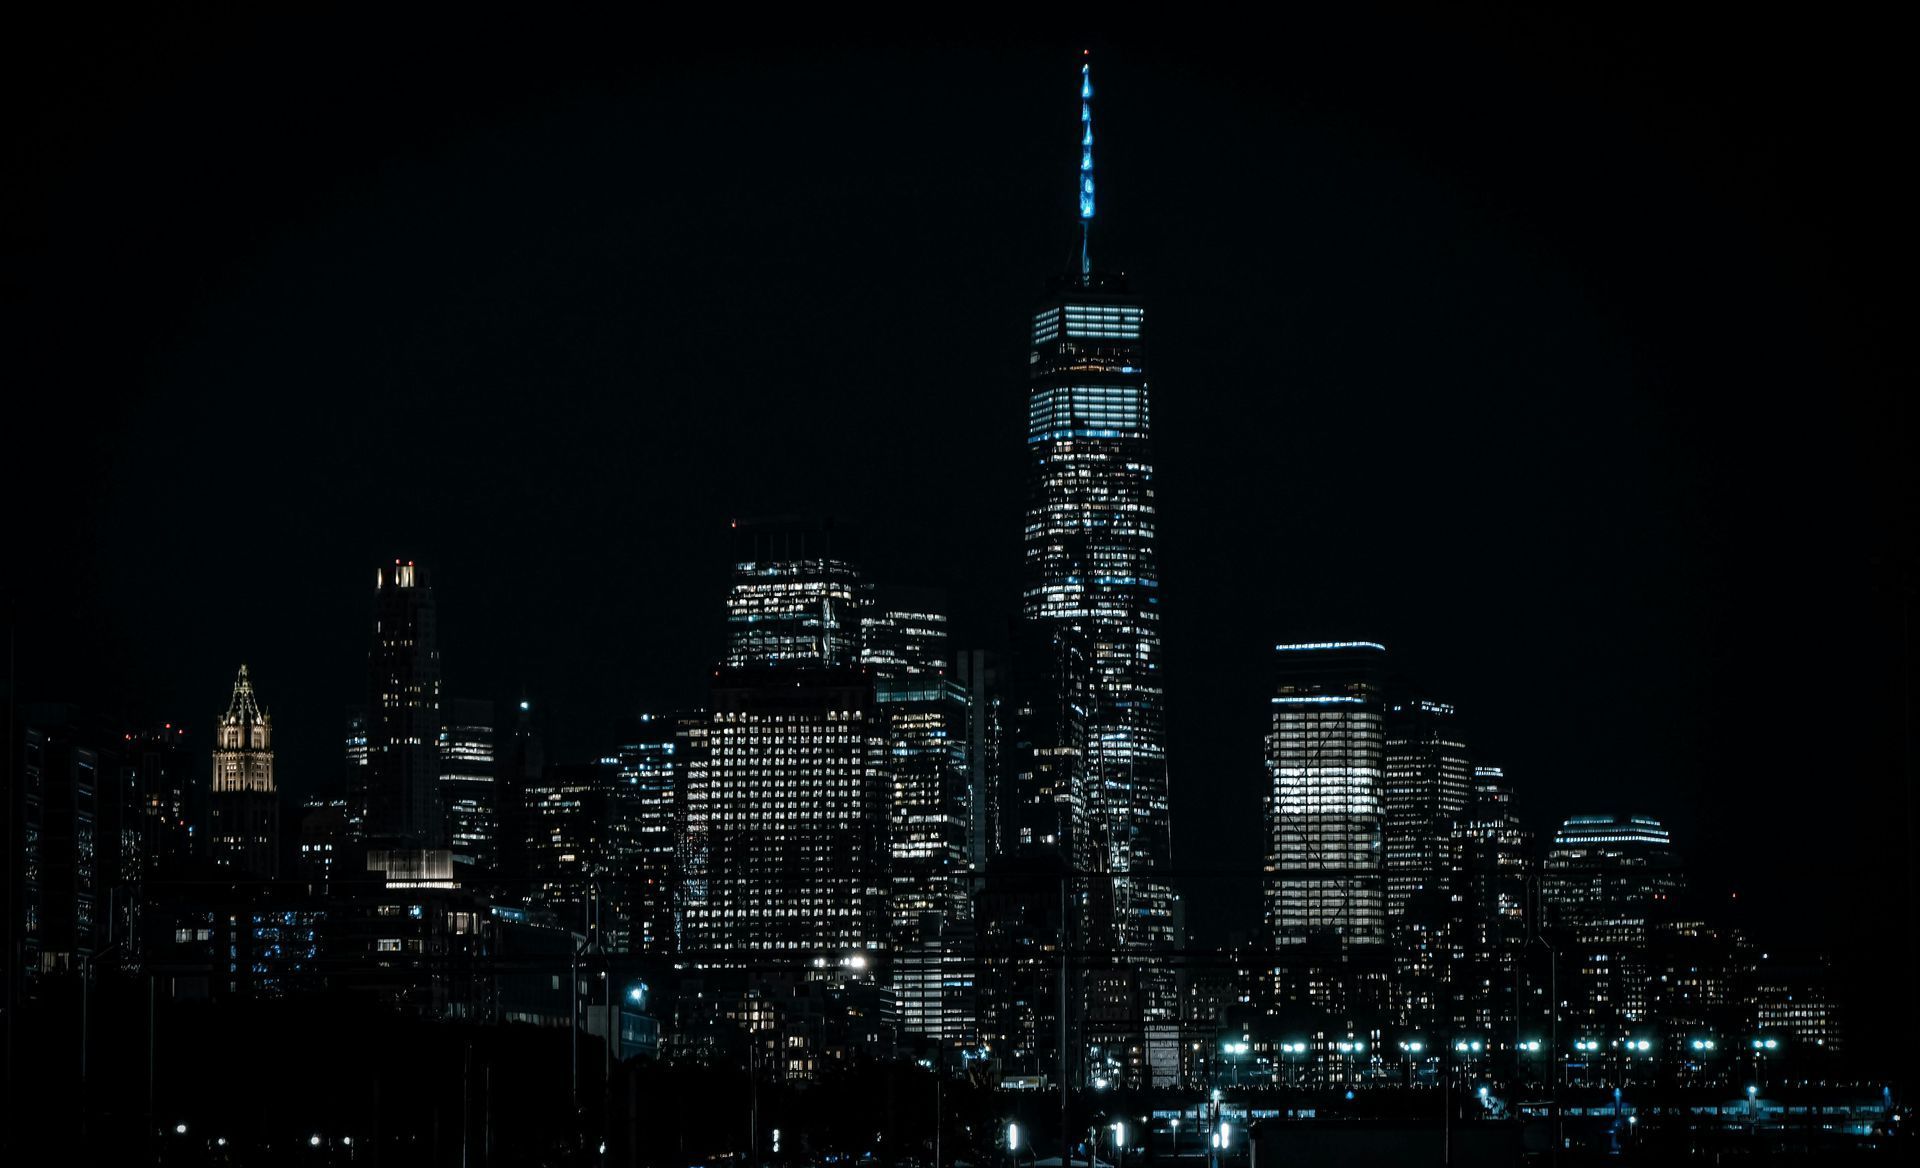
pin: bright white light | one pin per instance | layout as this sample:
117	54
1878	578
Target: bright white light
1483	1092
179	1129
313	1141
1013	1137
1120	1133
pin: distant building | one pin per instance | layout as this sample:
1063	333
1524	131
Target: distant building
468	782
795	595
244	805
521	765
53	814
1489	863
1325	759
1606	881
649	765
583	847
924	711
160	774
399	802
1029	1002
1092	570
1427	782
322	841
784	805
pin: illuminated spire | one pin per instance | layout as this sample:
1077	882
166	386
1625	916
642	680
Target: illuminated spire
1086	164
243	707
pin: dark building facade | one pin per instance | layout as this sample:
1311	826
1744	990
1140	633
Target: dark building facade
399	793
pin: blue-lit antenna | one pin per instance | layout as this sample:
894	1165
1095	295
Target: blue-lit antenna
1086	165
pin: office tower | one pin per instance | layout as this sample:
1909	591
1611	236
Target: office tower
522	763
1090	561
583	848
1044	798
1794	1005
321	845
467	786
355	741
934	975
244	806
1027	917
1485	877
1606	882
784	807
1428	780
401	793
1325	757
795	595
924	716
54	830
159	769
978	673
649	769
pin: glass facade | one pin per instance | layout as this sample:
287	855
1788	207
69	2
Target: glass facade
795	597
1325	761
1092	578
924	711
467	782
649	768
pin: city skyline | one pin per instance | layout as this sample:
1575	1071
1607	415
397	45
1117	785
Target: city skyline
1463	454
1643	706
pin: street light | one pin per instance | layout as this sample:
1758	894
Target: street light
179	1129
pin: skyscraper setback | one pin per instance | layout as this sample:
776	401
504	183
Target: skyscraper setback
1090	564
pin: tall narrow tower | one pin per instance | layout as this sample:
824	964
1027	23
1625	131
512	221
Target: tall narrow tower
1091	569
243	805
403	808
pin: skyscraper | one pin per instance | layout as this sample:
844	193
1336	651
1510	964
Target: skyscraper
924	712
159	773
244	805
467	782
1427	784
1607	881
785	807
1325	755
650	770
795	596
401	795
1090	559
1486	881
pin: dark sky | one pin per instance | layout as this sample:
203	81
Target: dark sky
1557	355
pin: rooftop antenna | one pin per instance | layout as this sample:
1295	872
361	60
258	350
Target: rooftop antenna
1086	163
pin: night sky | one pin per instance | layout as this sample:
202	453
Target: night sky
1556	356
